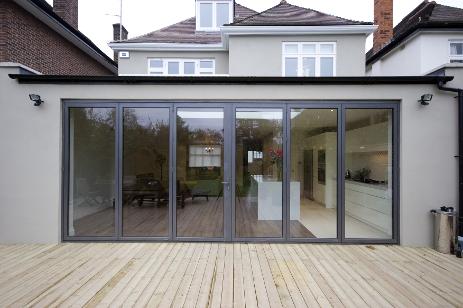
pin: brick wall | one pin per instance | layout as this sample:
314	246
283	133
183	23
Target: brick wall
67	10
26	40
384	19
2	30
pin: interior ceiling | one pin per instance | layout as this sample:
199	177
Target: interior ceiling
320	118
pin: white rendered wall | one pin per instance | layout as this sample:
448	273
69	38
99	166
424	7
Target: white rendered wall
418	56
31	146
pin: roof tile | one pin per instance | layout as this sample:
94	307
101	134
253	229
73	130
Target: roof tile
185	31
285	14
428	14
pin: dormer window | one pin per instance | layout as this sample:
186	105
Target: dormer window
211	15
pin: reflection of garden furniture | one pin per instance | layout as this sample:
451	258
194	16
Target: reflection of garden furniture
206	188
182	193
98	194
146	187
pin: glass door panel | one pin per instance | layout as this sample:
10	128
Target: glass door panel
145	184
259	173
200	173
368	174
91	172
313	194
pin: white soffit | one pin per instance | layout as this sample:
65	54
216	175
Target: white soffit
166	47
298	30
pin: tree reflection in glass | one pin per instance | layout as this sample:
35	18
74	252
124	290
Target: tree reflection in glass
91	171
146	172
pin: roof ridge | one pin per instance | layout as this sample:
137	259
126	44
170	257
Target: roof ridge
242	6
427	15
284	2
257	13
190	19
236	3
159	30
446	6
421	7
305	8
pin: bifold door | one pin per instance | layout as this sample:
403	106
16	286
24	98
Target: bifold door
277	171
202	185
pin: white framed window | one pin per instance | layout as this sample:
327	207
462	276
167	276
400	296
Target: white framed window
456	51
181	67
211	15
309	59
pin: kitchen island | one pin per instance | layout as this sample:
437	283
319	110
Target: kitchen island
370	203
270	200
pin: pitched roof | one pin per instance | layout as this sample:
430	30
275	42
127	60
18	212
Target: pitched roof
48	10
427	15
185	31
285	14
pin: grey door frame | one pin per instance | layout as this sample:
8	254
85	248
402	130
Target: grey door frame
120	136
340	173
227	193
258	105
229	164
67	105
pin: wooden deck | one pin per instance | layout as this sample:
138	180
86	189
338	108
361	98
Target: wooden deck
213	275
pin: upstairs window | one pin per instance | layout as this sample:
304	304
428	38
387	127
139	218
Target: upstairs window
456	51
211	15
181	67
309	59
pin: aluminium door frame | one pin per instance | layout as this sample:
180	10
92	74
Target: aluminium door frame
393	105
229	123
256	104
67	105
227	168
342	106
336	105
120	120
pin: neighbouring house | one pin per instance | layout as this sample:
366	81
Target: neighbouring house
427	40
47	40
233	125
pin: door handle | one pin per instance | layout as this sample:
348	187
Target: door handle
228	185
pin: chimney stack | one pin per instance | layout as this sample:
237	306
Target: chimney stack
384	19
117	36
67	10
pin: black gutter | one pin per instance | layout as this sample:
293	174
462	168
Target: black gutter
460	152
382	80
400	38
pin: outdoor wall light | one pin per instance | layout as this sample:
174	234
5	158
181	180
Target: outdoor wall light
36	99
426	99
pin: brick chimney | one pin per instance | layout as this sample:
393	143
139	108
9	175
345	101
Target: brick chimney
67	10
118	37
384	20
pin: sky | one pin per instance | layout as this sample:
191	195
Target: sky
143	16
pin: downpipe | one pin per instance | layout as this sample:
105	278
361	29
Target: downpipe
442	87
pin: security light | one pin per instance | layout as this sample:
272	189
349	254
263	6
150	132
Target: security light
36	99
426	99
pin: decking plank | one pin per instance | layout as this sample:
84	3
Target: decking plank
226	275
